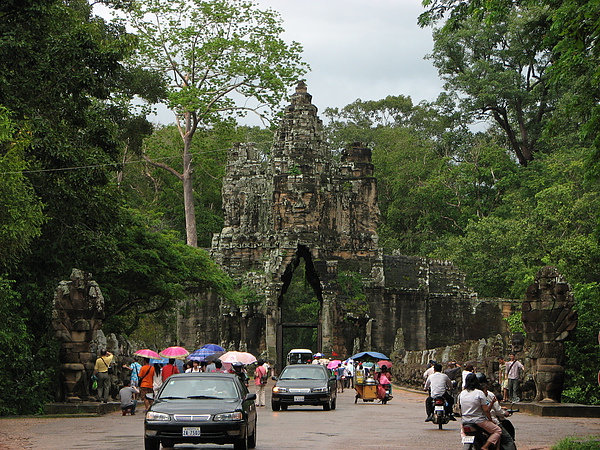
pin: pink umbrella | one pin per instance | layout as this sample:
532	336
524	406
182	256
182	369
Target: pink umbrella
333	363
174	352
147	353
242	357
382	363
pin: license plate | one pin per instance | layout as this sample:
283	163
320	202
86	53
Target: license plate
298	398
439	408
191	431
468	439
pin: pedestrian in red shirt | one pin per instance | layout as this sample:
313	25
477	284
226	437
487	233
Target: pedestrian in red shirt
169	369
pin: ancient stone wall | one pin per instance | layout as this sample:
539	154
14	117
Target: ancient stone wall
408	367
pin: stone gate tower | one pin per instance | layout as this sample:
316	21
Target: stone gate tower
303	203
300	204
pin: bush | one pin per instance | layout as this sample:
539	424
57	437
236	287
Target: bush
583	355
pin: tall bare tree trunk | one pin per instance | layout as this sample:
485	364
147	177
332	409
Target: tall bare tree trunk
188	193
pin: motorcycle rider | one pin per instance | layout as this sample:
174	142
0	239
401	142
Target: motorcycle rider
474	408
499	416
439	385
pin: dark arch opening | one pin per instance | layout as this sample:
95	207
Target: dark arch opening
300	303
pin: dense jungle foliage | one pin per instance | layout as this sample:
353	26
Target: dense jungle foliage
501	200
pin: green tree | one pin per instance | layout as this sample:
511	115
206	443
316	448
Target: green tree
582	348
496	63
21	215
67	93
211	52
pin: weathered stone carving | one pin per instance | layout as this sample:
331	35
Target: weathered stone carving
76	317
548	319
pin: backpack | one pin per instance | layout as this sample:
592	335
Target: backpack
264	378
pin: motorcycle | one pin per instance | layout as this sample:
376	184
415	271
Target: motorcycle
440	416
474	437
384	393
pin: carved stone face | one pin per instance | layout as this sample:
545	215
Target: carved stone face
518	340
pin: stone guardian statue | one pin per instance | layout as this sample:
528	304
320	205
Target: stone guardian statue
548	318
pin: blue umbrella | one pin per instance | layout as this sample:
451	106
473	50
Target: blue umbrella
201	354
159	361
375	355
214	347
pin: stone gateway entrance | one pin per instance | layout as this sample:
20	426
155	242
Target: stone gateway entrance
305	204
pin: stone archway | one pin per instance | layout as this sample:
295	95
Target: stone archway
296	322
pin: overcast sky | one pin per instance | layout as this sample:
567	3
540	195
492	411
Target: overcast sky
365	49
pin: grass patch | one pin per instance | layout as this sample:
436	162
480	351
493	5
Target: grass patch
573	443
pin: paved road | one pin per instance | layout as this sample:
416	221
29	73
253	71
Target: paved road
397	425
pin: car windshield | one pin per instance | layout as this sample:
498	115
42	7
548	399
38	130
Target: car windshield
198	388
303	373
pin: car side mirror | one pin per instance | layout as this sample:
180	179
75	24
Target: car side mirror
150	396
251	396
332	379
274	378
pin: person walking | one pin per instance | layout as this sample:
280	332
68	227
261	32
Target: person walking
502	379
101	367
146	382
260	382
340	376
514	370
195	368
134	367
127	396
157	379
169	369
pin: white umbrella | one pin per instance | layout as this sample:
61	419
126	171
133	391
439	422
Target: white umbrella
241	357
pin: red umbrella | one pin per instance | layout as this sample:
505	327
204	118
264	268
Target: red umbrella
174	352
147	353
388	364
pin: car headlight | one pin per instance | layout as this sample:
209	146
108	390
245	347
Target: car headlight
319	389
237	415
279	390
152	415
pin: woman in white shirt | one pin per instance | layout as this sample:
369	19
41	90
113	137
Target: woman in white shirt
474	408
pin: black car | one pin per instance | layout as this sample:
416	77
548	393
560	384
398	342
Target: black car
304	384
198	408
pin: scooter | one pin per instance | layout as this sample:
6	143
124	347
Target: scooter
440	417
474	437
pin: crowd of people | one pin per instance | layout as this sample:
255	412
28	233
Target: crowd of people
147	378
